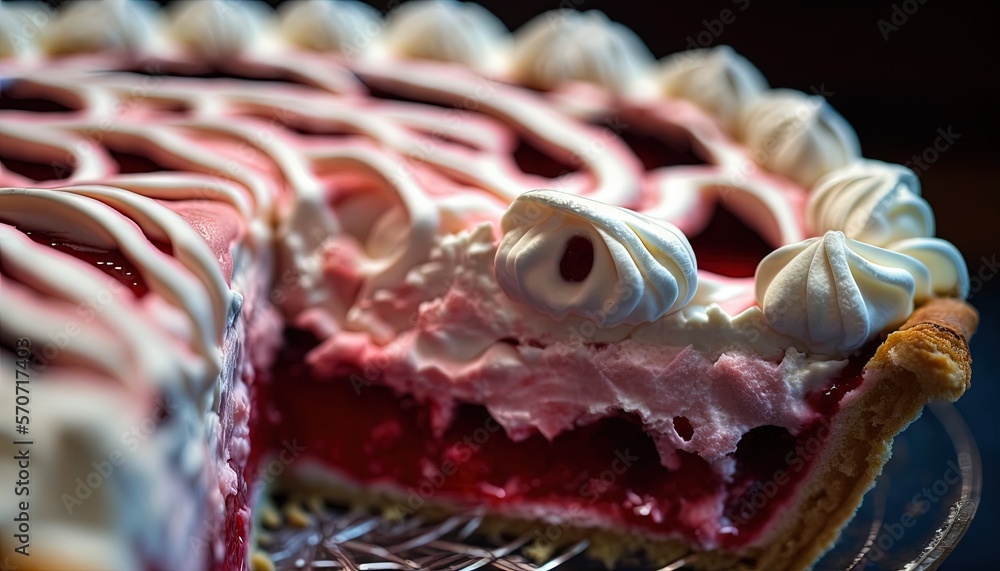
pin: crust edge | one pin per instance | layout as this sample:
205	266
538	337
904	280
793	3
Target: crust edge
926	359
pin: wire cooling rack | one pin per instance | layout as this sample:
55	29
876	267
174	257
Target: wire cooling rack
332	537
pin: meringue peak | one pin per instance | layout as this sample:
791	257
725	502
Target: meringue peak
563	46
834	294
798	136
718	80
871	201
563	254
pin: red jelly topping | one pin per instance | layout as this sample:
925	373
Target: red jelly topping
728	247
111	262
131	163
656	150
827	401
36	171
608	468
15	97
533	160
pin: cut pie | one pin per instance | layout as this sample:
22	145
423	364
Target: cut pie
423	265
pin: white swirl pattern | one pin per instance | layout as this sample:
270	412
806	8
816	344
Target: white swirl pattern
834	293
719	80
302	161
798	136
870	201
641	269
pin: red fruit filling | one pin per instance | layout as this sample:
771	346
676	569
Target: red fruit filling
609	468
654	149
37	171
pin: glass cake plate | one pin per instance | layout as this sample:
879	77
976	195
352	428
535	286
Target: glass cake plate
911	520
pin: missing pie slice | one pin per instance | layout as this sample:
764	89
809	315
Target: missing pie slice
424	266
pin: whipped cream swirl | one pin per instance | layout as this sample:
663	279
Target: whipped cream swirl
20	26
562	254
565	45
718	80
880	204
344	26
798	136
443	30
948	276
835	294
85	27
217	29
871	201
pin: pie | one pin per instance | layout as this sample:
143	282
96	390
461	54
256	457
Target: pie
424	265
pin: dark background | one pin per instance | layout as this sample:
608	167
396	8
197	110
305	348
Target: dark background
928	65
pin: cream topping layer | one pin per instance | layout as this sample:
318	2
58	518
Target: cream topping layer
870	201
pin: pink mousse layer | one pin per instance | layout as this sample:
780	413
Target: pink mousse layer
532	387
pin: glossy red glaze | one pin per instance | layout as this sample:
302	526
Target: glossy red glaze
111	262
827	400
728	247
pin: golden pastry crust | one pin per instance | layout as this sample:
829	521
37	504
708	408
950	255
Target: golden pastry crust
926	359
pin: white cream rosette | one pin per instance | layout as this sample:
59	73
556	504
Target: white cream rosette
341	26
719	80
871	201
798	136
835	294
561	46
563	254
443	30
